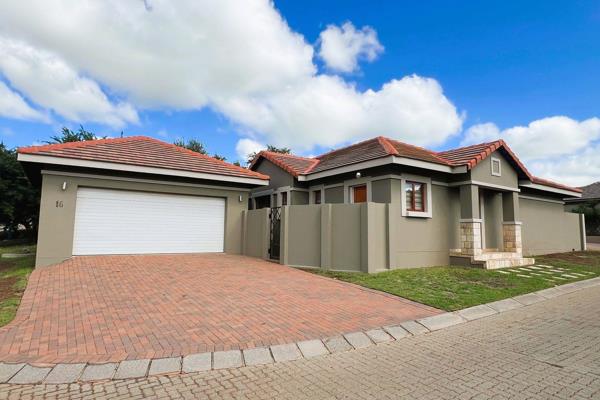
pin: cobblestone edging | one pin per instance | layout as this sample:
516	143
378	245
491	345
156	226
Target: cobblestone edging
81	372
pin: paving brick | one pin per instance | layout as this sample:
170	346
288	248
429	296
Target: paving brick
312	348
397	332
286	352
197	362
505	305
174	290
227	359
379	336
258	356
529	298
132	369
65	373
547	350
358	340
160	366
414	327
98	372
29	374
476	312
337	344
7	371
441	321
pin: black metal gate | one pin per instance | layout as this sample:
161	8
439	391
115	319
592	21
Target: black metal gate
275	218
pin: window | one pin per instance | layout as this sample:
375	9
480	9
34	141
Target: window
359	194
415	196
496	171
317	196
284	199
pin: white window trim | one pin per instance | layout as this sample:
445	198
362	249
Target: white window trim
349	193
493	160
312	190
428	196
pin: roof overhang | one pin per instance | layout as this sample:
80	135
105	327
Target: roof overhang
75	162
546	188
383	161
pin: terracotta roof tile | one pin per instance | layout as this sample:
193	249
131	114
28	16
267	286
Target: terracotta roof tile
295	165
142	151
546	182
380	146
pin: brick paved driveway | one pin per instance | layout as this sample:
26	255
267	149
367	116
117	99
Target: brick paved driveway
545	351
110	308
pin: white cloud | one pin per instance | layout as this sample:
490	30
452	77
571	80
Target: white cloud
542	138
48	81
12	105
342	47
557	147
246	146
240	59
327	111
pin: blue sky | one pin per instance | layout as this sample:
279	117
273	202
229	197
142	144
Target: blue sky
523	71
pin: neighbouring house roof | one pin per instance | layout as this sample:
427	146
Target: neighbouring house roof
591	191
380	147
138	151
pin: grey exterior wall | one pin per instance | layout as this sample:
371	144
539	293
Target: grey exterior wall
334	195
382	191
277	177
56	224
256	233
420	242
483	172
547	228
298	197
492	221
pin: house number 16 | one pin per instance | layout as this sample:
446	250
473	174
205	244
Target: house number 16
59	204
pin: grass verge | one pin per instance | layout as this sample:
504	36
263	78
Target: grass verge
453	288
13	279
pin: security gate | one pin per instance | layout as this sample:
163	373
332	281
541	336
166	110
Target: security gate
274	238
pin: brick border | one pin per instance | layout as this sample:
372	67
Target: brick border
64	373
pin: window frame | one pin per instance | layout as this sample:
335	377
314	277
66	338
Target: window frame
284	199
427	200
413	202
499	163
318	193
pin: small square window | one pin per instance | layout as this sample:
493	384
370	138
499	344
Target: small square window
415	196
496	167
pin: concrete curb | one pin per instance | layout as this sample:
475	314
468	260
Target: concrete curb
64	373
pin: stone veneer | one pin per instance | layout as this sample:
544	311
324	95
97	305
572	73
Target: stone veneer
511	234
470	238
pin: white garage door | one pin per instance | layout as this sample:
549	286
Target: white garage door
126	222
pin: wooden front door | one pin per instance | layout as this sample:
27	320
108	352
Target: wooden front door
359	194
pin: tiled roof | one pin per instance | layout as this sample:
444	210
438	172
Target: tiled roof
142	151
294	165
591	191
379	147
546	182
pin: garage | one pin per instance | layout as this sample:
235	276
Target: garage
129	222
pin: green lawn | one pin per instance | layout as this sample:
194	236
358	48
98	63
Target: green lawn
13	280
453	288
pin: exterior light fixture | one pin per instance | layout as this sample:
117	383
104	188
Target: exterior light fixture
64	186
358	175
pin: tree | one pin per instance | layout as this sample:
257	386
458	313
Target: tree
192	144
219	157
591	212
67	135
272	149
19	203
